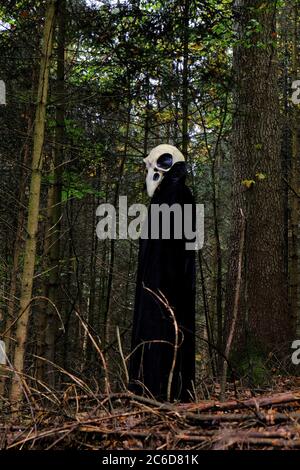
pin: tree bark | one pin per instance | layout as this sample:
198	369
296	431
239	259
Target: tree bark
263	321
294	273
33	207
18	246
185	79
56	208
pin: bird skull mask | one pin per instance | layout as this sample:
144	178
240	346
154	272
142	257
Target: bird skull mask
159	161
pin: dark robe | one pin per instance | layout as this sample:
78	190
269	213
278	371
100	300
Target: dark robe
165	266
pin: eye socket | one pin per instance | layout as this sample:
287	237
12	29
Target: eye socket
155	176
165	161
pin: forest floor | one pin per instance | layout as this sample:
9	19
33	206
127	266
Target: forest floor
124	421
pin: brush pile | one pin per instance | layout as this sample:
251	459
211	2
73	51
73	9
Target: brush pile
126	421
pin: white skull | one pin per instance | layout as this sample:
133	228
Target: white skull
159	161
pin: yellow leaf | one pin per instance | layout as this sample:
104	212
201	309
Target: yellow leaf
248	183
194	47
260	176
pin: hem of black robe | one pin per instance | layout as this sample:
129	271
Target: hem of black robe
138	389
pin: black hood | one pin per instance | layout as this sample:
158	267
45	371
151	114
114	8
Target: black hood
175	175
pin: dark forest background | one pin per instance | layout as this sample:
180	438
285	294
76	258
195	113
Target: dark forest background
91	87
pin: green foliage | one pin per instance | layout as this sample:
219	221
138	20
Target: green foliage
252	366
75	187
254	369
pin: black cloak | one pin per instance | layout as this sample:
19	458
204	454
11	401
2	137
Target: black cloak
165	266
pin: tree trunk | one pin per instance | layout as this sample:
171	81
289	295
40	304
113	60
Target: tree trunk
217	293
18	246
33	207
294	274
185	79
55	210
263	323
107	316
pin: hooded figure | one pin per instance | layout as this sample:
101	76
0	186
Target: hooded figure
162	361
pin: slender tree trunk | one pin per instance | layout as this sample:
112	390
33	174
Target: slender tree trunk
217	262
33	208
185	79
107	316
41	317
90	352
67	352
16	256
209	329
147	117
56	211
